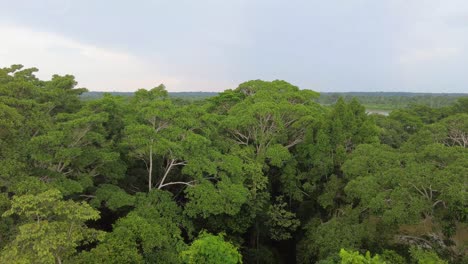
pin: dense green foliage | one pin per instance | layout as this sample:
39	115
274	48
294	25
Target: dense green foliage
178	96
373	101
259	174
211	249
392	100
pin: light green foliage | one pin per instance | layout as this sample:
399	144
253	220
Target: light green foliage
200	156
115	108
159	130
271	113
208	248
48	205
277	155
61	91
29	185
421	256
134	239
350	257
207	199
144	132
50	230
75	149
20	117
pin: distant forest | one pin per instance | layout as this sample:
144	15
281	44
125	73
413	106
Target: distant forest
181	95
371	100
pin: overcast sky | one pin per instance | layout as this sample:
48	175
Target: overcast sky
213	45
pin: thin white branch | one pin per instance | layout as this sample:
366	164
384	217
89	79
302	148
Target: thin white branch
173	183
169	167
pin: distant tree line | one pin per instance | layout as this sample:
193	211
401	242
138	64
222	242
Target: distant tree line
371	100
392	100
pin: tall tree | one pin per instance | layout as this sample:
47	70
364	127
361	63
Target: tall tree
51	229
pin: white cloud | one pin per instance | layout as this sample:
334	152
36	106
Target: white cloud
96	68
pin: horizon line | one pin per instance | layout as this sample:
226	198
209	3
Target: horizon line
315	91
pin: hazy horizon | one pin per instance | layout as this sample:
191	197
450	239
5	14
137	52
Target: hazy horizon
344	92
210	46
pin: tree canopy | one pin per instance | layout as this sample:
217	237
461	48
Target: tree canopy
258	174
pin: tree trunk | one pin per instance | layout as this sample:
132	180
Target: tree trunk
150	169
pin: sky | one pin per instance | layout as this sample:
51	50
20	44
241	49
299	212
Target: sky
213	45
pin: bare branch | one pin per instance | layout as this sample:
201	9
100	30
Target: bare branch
169	167
294	142
173	183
